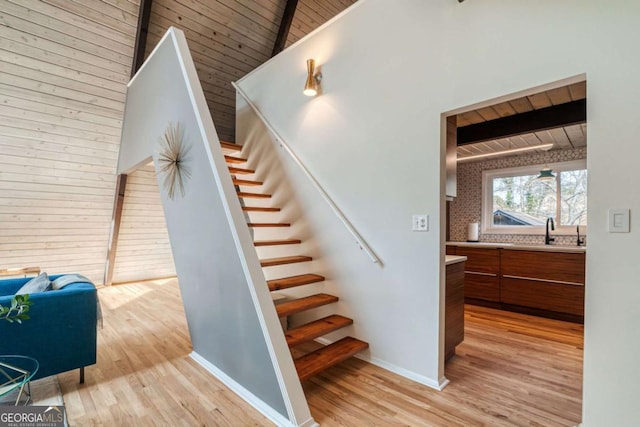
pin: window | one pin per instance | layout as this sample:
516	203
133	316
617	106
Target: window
515	202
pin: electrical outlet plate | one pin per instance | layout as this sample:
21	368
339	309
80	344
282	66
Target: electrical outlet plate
420	222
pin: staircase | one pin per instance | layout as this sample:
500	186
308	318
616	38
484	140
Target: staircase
314	362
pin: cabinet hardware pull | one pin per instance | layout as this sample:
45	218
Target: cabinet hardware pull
560	282
480	274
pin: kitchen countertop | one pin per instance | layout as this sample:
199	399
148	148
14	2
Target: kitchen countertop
521	246
454	259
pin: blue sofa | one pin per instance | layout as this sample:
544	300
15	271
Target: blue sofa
61	332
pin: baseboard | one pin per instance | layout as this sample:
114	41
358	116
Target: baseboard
421	379
253	400
566	317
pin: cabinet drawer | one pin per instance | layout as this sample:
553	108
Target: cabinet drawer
480	260
482	286
557	297
555	266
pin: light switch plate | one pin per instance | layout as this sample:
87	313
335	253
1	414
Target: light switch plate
618	221
420	222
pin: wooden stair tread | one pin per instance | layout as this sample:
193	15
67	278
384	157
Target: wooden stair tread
270	262
268	224
246	182
230	147
277	242
232	159
317	361
301	304
293	281
259	209
315	329
253	195
241	171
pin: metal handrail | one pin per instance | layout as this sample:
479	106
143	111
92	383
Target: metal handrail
359	240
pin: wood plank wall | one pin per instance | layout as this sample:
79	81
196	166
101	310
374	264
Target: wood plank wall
64	65
144	250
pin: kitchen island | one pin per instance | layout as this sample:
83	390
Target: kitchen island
454	304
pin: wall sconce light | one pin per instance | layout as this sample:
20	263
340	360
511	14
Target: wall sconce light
312	85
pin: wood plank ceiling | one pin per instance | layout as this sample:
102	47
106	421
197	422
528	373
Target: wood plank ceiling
565	137
230	38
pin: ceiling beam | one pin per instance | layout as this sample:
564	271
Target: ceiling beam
118	204
144	15
285	25
570	113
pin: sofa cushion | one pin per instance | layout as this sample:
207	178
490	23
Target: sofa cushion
40	283
68	279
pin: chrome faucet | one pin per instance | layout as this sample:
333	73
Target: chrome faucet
547	238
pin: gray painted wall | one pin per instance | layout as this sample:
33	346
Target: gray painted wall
231	318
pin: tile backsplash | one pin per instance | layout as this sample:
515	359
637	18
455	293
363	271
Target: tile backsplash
467	206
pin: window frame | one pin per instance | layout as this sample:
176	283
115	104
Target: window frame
487	226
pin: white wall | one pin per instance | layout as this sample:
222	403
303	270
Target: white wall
373	139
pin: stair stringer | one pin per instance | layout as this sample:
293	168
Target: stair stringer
233	325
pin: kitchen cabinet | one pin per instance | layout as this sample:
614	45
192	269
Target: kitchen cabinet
454	305
481	275
546	282
543	280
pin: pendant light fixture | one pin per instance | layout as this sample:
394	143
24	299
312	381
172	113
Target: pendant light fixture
546	174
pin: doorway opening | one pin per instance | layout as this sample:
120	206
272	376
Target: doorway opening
516	227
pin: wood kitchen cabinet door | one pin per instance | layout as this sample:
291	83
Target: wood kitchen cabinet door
550	296
556	266
454	308
481	260
481	278
552	281
481	286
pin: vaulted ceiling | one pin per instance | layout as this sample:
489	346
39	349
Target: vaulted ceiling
230	38
64	68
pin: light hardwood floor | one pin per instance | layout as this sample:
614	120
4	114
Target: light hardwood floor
511	369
